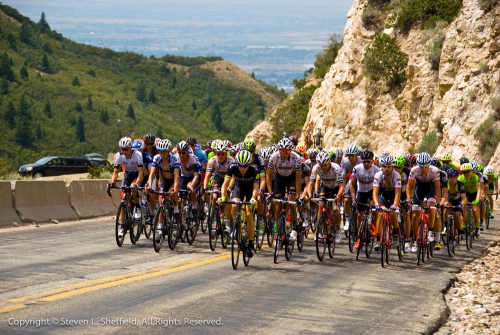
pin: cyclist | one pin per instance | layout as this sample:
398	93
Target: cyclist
386	194
258	163
456	197
331	185
347	165
246	188
492	185
424	182
444	196
473	187
477	169
190	173
362	180
168	167
147	159
338	154
216	171
401	164
286	166
132	163
150	144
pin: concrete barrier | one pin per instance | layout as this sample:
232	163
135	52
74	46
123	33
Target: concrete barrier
7	212
115	195
41	201
89	198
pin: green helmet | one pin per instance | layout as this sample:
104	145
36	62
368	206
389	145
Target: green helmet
400	161
480	168
332	155
466	167
249	145
446	157
243	157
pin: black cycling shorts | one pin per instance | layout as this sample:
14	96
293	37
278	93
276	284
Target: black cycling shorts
328	192
166	184
129	177
284	185
386	198
363	198
242	192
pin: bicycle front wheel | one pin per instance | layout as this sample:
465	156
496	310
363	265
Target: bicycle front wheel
468	231
235	244
383	246
352	235
280	237
331	241
213	226
321	243
135	226
487	214
270	232
420	242
159	218
174	233
121	219
147	228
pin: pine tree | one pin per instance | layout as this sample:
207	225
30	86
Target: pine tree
75	81
262	112
43	25
46	65
23	133
10	114
5	68
152	96
46	48
89	104
217	117
38	131
130	111
47	110
24	72
141	92
78	107
12	41
80	129
26	33
103	116
174	82
24	108
253	75
4	86
194	104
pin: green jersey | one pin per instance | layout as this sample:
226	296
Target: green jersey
472	184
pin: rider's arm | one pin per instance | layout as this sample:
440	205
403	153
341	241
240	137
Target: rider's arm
208	175
410	188
269	180
298	180
375	196
305	192
114	177
225	185
397	198
140	170
351	186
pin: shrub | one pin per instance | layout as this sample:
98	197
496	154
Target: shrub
483	66
488	137
472	93
340	121
495	103
5	169
325	59
487	5
385	60
372	18
102	172
429	143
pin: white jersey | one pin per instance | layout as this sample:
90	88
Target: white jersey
388	183
331	179
347	167
432	175
285	167
220	169
192	165
131	164
365	177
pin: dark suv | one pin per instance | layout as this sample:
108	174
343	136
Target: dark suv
55	166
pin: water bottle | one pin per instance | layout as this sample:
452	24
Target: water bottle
137	213
143	203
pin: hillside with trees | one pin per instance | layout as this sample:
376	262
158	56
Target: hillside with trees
65	98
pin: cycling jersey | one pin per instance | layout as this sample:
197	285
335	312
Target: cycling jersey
444	179
168	169
331	179
131	164
405	172
285	167
364	177
458	189
387	183
147	159
200	154
490	181
250	177
347	167
306	172
258	164
471	184
190	167
220	169
432	175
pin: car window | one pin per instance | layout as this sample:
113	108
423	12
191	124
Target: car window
55	161
69	162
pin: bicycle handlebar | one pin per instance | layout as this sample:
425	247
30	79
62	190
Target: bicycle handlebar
323	199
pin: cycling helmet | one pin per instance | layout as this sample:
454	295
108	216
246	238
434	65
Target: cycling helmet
366	154
332	155
233	150
464	160
474	165
149	138
351	150
466	167
191	140
339	152
243	157
157	140
446	157
435	162
285	143
452	172
489	170
444	167
384	153
221	148
400	161
407	161
323	158
266	154
407	154
249	145
301	149
182	146
480	168
386	161
164	145
294	139
138	145
125	142
313	155
214	144
413	160
423	159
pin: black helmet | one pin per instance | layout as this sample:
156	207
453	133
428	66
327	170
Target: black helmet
366	154
464	160
435	162
191	140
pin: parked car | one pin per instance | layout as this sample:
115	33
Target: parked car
98	160
56	166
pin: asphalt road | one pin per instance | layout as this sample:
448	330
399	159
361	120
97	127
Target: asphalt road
71	278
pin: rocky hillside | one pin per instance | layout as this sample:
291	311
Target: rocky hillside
452	97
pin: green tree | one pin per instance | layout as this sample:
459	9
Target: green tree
46	66
385	60
23	108
23	135
262	112
78	107
6	68
193	104
43	26
4	86
130	111
12	41
103	116
91	73
252	75
141	92
174	82
38	131
26	33
47	110
159	133
75	81
152	96
326	58
24	72
217	116
10	114
46	48
89	104
80	129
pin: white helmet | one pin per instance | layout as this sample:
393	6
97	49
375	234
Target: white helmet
164	145
125	142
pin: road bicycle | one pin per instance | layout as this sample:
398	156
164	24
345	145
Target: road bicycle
162	222
470	226
188	224
451	236
215	227
203	211
387	237
129	216
365	238
423	246
282	237
239	236
326	229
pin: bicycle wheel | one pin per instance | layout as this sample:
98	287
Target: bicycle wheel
313	212
191	227
352	235
487	214
450	231
235	244
159	219
361	237
383	245
205	225
213	226
280	236
257	234
289	245
468	233
147	228
421	246
174	233
331	241
301	231
321	244
135	226
270	232
244	246
369	239
400	247
121	219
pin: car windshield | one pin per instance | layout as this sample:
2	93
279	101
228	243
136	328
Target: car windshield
43	160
